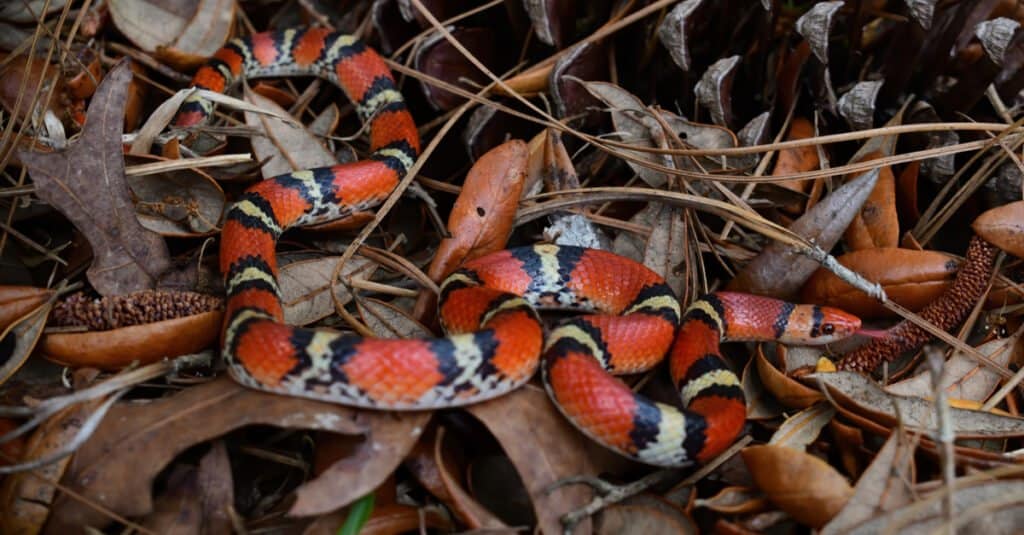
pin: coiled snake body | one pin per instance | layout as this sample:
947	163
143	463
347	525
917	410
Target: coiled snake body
495	337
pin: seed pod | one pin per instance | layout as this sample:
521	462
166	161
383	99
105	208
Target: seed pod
142	327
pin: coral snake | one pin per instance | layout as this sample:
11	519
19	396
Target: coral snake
495	338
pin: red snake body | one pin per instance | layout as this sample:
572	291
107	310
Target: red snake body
495	339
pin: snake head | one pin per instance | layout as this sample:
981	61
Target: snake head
817	325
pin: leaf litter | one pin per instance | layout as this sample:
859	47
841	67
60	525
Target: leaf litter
652	124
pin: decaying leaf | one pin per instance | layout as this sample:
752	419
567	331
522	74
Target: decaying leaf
544	448
26	497
863	396
964	378
802	429
285	146
87	184
882	487
116	466
979	507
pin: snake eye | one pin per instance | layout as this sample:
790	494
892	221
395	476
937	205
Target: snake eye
828	329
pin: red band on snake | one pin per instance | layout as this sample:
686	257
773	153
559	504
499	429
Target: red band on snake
495	338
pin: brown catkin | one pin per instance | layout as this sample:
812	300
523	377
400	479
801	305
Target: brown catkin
946	312
148	306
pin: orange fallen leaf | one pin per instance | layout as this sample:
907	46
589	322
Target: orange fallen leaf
806	487
911	278
1003	227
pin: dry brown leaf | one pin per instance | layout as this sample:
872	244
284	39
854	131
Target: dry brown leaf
141	344
779	271
285	145
804	427
216	489
788	391
14	74
1003	227
16	301
177	510
911	278
19	337
432	464
26	497
544	448
798	159
116	466
861	395
807	488
884	486
962	376
990	507
87	184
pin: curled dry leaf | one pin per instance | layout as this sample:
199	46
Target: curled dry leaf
990	507
25	497
187	32
996	36
788	392
779	271
19	337
714	90
804	427
909	277
285	145
137	344
674	29
116	466
1003	227
735	501
857	105
884	486
963	377
16	301
544	449
859	394
802	485
816	26
432	465
87	183
482	218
